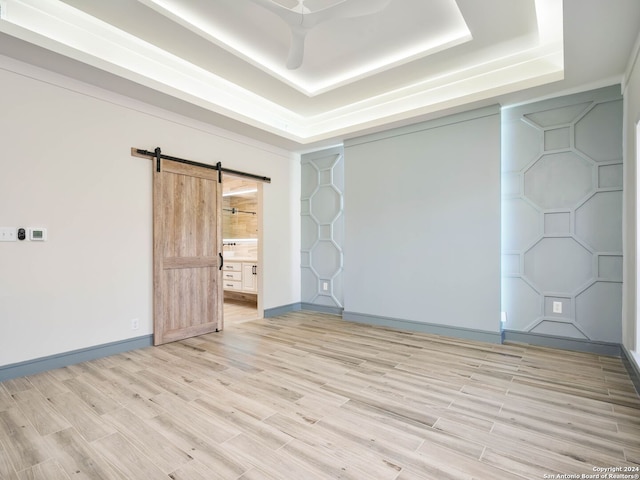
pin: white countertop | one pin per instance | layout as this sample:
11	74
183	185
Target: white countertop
233	258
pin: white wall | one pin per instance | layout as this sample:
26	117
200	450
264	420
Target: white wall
66	165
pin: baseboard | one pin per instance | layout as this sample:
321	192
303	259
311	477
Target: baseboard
563	343
59	360
632	367
322	308
275	311
432	328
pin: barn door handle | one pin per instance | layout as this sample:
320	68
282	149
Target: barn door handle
221	261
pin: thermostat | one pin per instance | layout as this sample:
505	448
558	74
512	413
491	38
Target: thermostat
37	234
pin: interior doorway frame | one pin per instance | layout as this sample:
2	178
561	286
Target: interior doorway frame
156	155
260	241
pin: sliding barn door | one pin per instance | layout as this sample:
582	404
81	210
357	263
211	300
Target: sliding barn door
187	281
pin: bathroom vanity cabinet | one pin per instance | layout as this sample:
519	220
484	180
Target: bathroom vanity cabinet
240	275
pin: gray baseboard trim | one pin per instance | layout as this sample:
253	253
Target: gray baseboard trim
281	310
563	343
632	367
322	308
59	360
432	328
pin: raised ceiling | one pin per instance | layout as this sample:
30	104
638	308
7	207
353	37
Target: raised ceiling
365	64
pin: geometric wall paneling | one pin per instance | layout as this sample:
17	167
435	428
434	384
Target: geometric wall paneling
325	232
558	180
322	228
610	267
521	146
562	216
309	233
567	307
600	144
309	285
610	176
559	115
599	316
326	204
558	265
521	301
599	221
510	264
326	177
305	207
326	259
309	180
557	223
557	138
305	259
558	328
517	239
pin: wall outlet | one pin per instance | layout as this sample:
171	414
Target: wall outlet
325	286
135	324
8	234
503	317
557	307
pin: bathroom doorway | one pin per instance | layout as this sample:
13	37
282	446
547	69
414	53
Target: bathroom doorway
242	249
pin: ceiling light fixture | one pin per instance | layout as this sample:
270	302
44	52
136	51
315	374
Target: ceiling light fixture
301	19
239	192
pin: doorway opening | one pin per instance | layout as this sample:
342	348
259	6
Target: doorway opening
242	249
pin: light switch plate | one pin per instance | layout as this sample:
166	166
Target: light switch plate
8	234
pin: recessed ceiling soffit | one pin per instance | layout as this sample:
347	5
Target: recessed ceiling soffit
307	69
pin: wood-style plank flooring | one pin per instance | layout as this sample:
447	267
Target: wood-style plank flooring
309	396
238	311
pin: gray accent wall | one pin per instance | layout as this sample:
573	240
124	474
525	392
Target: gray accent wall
422	224
322	229
562	216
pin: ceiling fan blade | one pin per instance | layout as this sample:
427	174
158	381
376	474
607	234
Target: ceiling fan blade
300	23
296	50
344	9
291	17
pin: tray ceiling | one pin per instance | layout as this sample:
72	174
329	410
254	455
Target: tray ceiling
365	63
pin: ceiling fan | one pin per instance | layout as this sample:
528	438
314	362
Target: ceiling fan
302	15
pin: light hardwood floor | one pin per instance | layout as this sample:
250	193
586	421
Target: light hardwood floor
239	311
309	396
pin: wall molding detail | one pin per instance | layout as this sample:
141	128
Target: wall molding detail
423	327
322	228
322	308
37	365
562	195
563	343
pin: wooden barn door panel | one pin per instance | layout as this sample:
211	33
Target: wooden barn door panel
187	244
